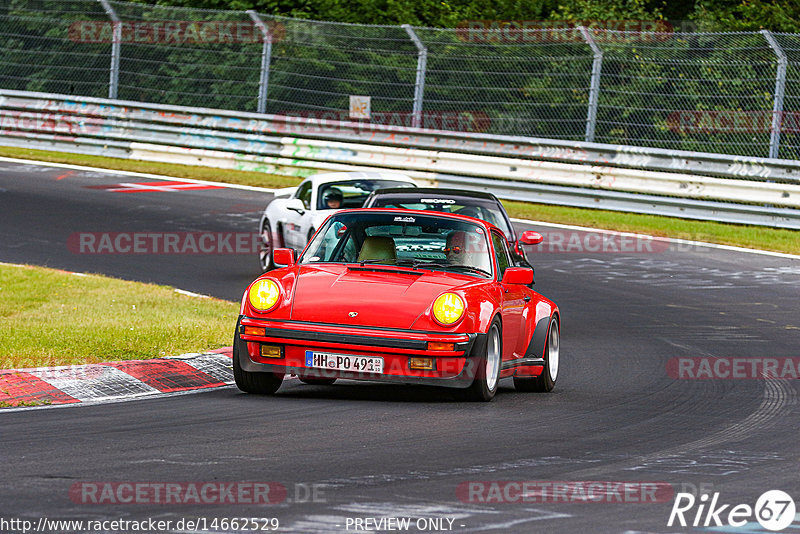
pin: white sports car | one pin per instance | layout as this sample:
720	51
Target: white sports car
292	217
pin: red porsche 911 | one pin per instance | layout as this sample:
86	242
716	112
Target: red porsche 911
399	295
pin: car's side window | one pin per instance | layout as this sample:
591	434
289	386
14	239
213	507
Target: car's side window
304	194
501	253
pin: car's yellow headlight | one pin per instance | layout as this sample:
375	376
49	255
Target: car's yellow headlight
448	308
264	294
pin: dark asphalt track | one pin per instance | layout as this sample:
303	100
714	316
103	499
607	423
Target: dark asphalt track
616	415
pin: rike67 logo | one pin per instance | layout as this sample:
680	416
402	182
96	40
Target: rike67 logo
774	510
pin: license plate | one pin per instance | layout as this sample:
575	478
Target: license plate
344	362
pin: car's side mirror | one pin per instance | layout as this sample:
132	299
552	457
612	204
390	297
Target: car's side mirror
283	257
518	275
295	204
531	238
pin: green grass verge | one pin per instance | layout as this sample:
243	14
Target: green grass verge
759	237
50	317
21	404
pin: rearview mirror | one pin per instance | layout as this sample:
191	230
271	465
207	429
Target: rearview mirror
283	257
531	238
518	275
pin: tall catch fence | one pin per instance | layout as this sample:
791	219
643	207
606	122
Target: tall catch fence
728	93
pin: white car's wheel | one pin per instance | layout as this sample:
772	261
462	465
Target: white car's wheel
266	248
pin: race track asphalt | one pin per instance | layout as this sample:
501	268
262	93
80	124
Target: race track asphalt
377	451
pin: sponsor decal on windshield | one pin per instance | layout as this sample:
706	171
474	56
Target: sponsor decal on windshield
437	201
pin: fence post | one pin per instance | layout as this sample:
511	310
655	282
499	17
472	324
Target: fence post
594	84
266	58
116	48
419	85
780	90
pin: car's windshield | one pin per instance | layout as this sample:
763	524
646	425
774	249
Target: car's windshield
351	193
480	208
412	240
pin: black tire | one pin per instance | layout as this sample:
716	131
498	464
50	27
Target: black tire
547	380
317	381
262	383
267	246
489	353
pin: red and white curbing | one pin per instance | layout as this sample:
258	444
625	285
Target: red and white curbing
115	381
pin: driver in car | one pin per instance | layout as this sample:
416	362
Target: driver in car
333	199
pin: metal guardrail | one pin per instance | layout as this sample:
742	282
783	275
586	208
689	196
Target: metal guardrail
697	185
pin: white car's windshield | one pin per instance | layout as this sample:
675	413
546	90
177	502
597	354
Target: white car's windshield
351	193
418	241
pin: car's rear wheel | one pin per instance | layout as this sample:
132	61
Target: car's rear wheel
489	352
317	381
265	251
552	356
265	383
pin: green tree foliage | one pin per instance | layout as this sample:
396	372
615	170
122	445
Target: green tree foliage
708	15
745	15
430	13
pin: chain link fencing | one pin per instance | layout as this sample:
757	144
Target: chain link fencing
729	93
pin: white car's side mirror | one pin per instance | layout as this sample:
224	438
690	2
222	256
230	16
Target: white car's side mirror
295	204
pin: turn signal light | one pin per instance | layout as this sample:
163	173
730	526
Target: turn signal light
272	351
420	363
255	331
434	345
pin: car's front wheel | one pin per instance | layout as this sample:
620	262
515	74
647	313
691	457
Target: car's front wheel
487	373
552	356
265	251
265	383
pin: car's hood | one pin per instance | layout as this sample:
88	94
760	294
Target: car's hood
379	296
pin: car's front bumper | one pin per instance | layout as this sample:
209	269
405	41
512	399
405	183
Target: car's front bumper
454	368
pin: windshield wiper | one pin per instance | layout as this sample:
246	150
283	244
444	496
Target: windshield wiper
376	260
415	264
468	268
443	266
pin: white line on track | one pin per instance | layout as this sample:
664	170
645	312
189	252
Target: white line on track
136	174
